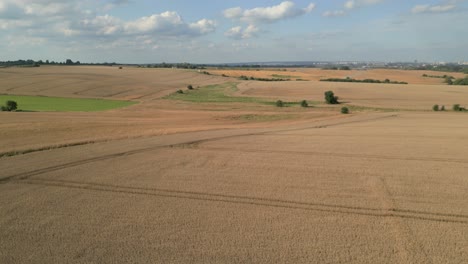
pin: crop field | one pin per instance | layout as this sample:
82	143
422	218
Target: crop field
219	174
315	74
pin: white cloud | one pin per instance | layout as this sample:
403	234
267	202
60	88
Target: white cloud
115	3
309	8
63	18
251	31
333	13
169	23
47	9
240	33
156	22
271	14
349	5
234	12
235	32
203	26
100	25
6	24
432	8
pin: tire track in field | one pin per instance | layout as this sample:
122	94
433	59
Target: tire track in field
409	249
60	85
188	143
245	200
24	85
330	154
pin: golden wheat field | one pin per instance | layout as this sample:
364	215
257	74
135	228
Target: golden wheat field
178	178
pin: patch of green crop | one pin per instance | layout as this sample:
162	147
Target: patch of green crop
285	76
262	118
224	93
218	93
60	104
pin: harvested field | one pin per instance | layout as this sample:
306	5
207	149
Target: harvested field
313	74
129	83
202	177
395	96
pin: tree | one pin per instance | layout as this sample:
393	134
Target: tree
344	110
279	103
69	62
10	106
190	87
304	103
330	98
435	107
449	81
461	81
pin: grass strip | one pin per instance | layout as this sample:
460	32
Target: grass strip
28	103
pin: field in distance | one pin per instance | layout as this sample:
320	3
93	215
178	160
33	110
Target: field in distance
316	74
220	174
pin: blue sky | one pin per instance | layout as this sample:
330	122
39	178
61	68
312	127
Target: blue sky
213	31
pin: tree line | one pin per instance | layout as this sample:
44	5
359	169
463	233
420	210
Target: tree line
38	63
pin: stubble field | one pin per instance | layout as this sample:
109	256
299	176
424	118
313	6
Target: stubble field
175	180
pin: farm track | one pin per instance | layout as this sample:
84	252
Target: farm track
329	154
61	85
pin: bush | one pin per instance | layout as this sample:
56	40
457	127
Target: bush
190	87
345	110
456	107
435	107
330	98
463	81
442	108
279	103
348	79
180	91
10	106
304	103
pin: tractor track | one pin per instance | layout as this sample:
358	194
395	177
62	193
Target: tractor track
386	212
32	173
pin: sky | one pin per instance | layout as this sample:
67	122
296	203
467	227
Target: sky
215	31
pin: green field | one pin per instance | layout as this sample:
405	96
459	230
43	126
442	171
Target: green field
59	104
285	76
223	93
218	93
